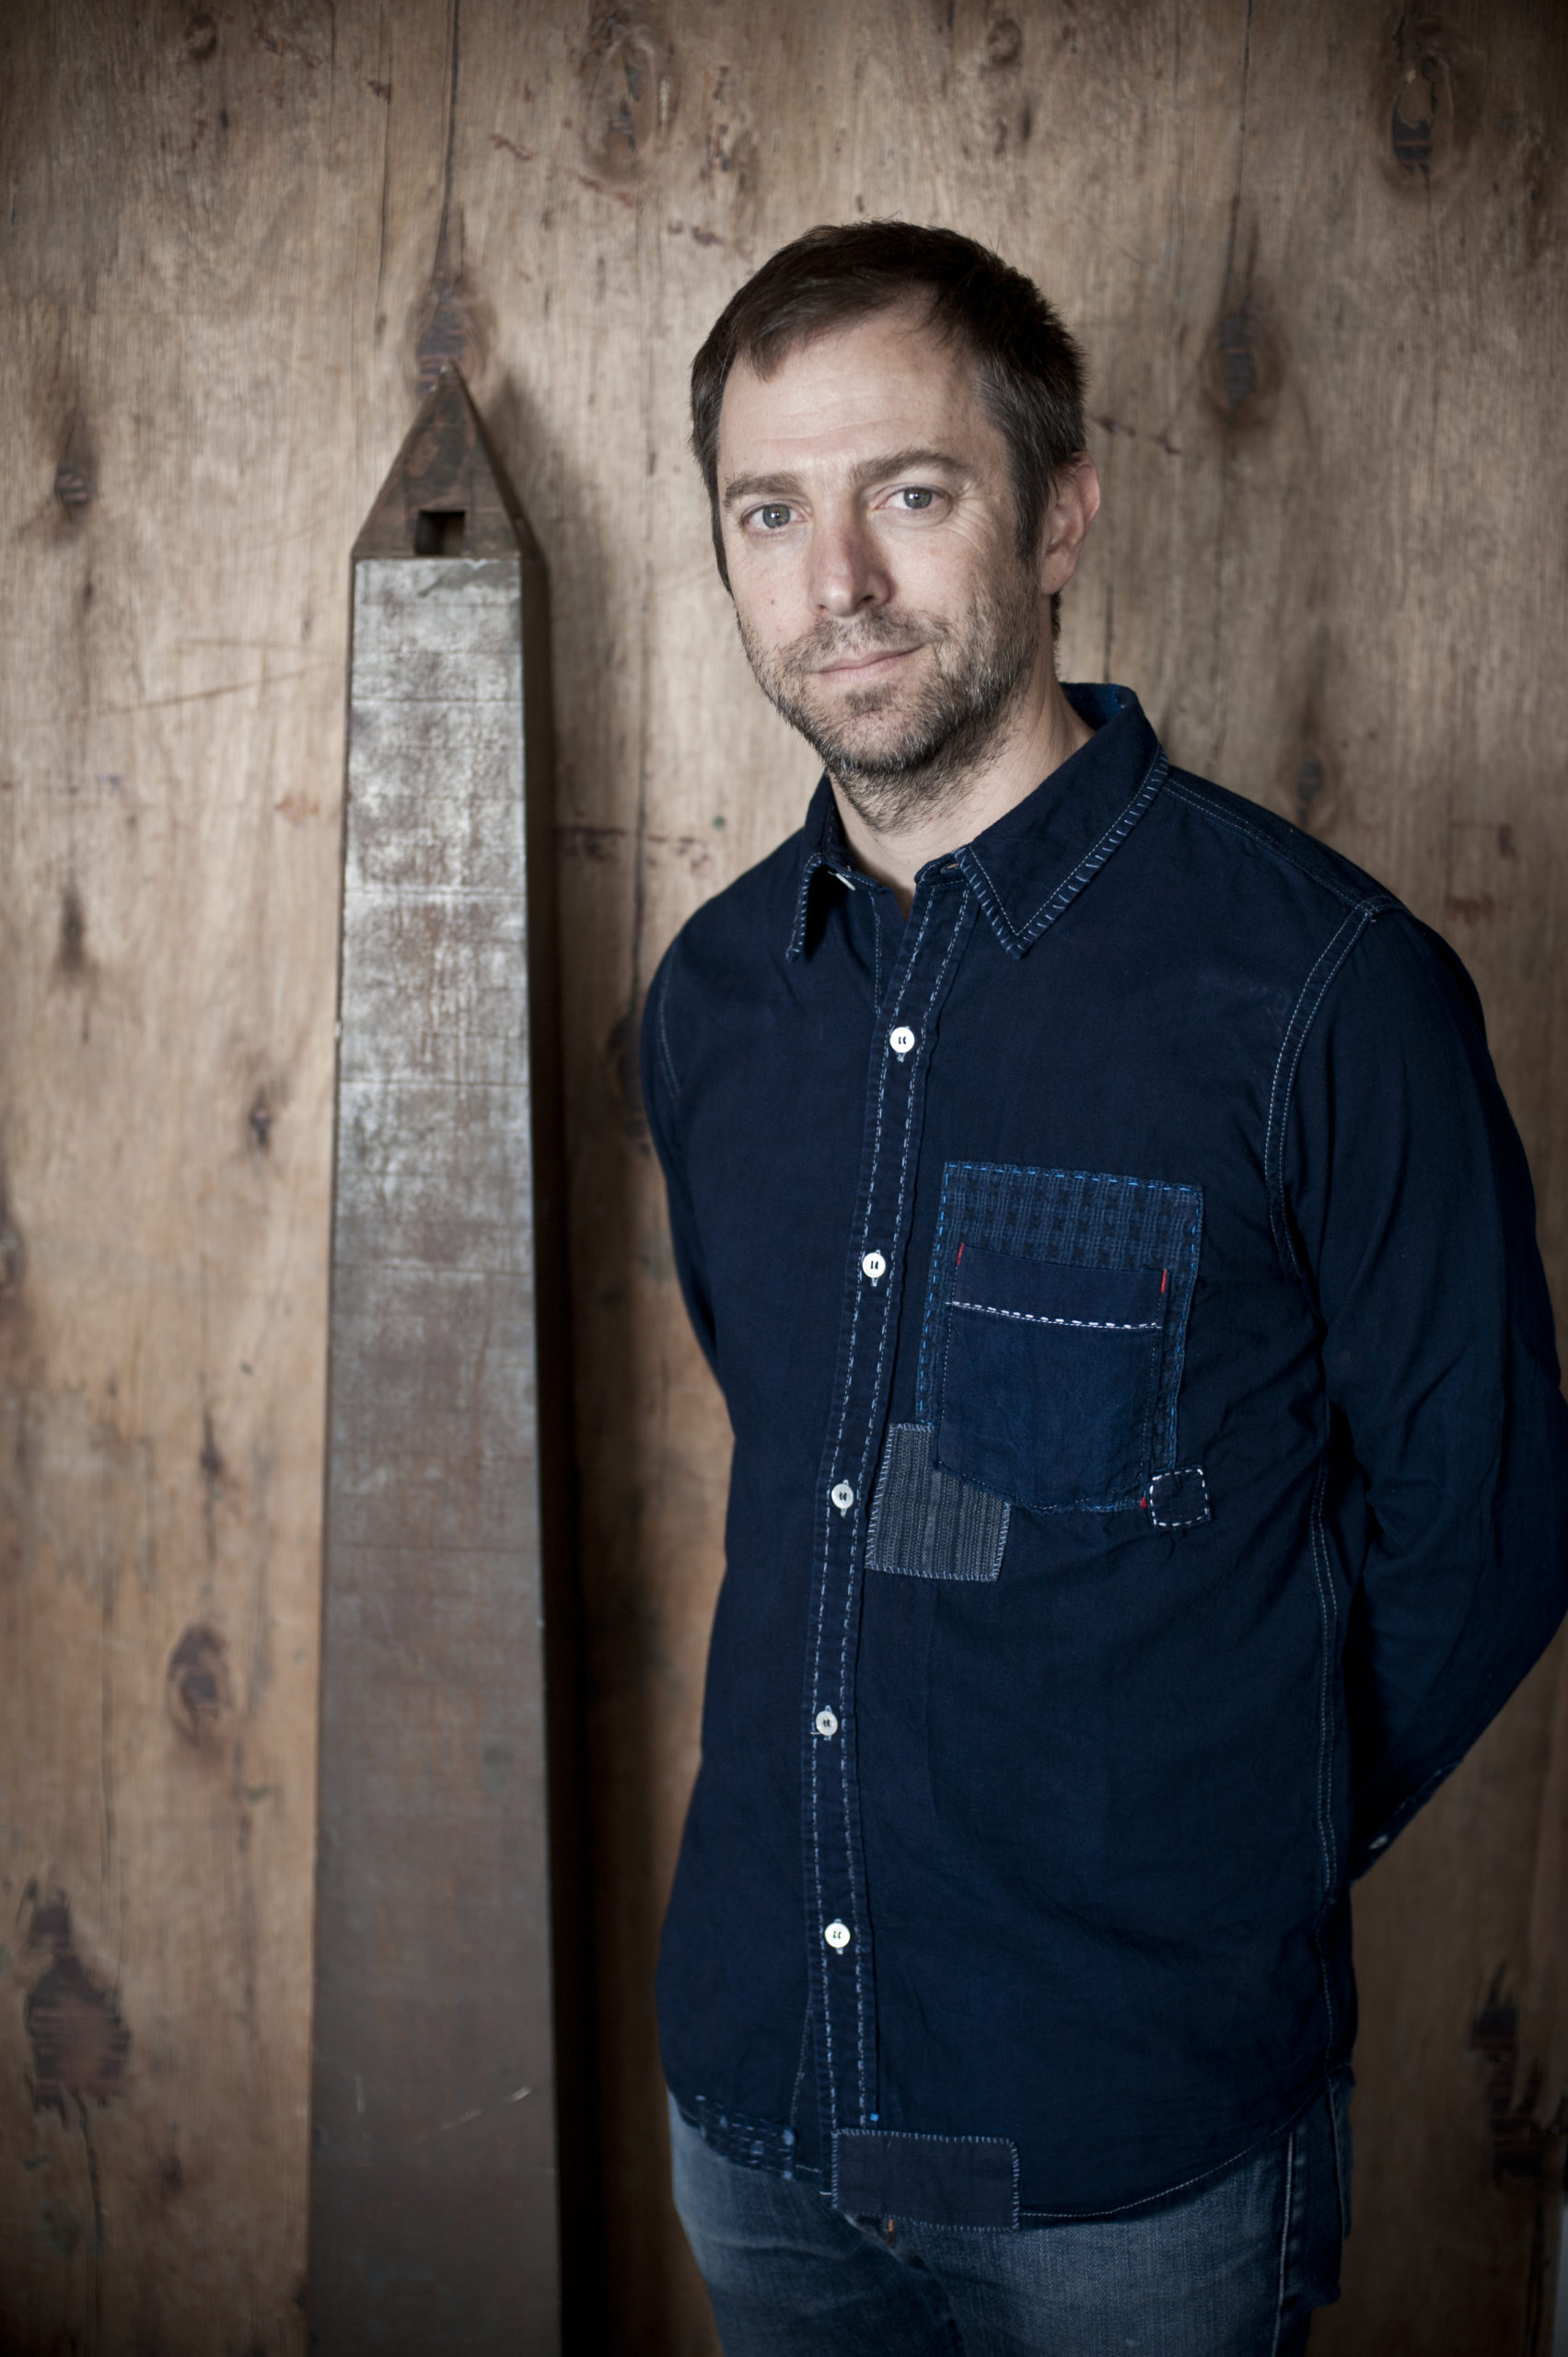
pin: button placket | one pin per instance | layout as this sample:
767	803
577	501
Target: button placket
844	1993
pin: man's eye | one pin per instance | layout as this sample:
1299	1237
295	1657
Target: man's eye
773	517
914	496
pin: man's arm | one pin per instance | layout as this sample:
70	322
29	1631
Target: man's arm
661	1092
1410	1210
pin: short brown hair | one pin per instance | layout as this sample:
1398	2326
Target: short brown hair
1031	368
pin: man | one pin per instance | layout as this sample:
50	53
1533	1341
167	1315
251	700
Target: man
1096	1205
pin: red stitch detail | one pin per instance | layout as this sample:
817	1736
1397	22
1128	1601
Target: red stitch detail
960	1256
1165	1279
1144	1502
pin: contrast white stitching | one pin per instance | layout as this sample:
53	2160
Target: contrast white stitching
1287	2222
823	1959
845	1749
1329	1616
916	2136
1096	1325
1303	1014
1180	1473
933	1001
664	1035
1021	937
1277	847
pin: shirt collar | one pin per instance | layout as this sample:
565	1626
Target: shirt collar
822	844
1039	855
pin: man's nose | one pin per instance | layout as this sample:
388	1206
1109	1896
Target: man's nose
849	575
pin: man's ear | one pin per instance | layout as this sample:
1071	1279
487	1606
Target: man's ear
1073	504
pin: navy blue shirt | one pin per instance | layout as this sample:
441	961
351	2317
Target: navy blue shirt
1148	1479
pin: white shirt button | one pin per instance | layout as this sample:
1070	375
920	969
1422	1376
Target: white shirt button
837	1934
901	1041
842	1496
826	1724
873	1266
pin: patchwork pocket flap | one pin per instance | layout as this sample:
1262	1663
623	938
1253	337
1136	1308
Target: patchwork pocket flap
1054	1292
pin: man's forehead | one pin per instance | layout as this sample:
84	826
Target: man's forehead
892	377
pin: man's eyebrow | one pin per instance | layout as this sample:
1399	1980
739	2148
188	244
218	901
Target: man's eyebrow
761	486
917	459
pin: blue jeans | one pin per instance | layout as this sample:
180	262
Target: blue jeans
1232	2270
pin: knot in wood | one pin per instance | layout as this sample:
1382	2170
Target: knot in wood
196	1689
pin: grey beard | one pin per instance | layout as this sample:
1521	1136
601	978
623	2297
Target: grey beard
959	716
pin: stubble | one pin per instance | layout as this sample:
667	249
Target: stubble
897	754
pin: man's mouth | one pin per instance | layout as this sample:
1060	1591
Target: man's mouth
855	667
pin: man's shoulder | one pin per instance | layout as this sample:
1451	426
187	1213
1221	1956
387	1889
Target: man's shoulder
1230	825
727	959
750	918
1304	909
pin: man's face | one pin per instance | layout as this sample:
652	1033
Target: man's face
869	532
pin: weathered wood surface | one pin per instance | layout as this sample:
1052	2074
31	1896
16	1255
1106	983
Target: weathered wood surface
436	2207
1317	256
445	488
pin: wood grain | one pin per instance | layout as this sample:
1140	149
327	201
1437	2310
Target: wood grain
1316	259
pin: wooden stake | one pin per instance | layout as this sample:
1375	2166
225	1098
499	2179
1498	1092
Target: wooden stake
451	2108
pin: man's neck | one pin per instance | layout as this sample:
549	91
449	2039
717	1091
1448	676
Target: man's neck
1046	731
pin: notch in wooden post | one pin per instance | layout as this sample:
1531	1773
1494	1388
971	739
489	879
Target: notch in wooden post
446	493
439	531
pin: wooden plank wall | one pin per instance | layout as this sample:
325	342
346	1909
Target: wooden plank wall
1316	256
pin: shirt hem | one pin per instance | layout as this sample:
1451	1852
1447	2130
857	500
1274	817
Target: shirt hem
746	2140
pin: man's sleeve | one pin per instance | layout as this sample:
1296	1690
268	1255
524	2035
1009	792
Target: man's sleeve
661	1100
1406	1201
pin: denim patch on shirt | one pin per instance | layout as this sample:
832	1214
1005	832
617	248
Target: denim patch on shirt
950	2180
927	1525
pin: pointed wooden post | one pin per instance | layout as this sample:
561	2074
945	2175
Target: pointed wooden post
452	2106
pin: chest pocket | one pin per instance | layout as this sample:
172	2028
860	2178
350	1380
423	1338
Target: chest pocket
1054	1329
